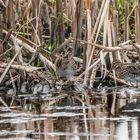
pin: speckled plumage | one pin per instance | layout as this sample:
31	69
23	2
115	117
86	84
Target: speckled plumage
130	72
65	66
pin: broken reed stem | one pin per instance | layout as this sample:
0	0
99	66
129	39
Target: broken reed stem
97	20
17	48
21	67
13	83
28	45
88	46
6	51
61	46
2	101
109	49
89	68
130	13
110	75
7	68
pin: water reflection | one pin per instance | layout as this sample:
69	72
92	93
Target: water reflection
126	130
100	116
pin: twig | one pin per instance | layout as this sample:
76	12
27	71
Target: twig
109	49
15	78
6	70
6	51
89	68
3	102
13	83
28	45
61	46
21	67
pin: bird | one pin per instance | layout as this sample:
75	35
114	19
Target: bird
65	65
130	72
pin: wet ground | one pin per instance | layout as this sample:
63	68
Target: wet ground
108	114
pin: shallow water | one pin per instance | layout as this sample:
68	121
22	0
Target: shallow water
107	115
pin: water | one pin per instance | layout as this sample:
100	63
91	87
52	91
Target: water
106	115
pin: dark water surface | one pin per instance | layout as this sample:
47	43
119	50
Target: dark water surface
106	115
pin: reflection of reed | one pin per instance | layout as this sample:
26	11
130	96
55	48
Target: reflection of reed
122	130
72	130
48	126
94	122
21	127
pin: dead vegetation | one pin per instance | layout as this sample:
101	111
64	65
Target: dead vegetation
37	36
